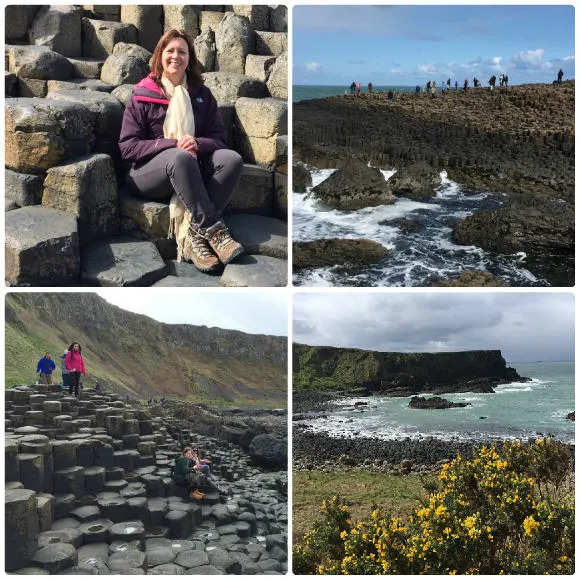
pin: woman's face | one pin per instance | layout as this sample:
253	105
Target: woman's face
75	347
175	59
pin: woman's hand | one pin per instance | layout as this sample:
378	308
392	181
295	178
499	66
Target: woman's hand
188	143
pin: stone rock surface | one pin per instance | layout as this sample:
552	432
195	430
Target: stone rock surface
41	247
268	451
124	69
178	17
204	45
332	252
259	67
257	14
22	188
228	87
39	62
271	43
434	403
85	188
278	18
100	36
123	93
473	278
122	261
417	181
58	28
147	20
254	192
20	18
278	79
152	217
134	50
260	235
263	118
87	68
209	19
234	38
261	271
301	178
354	187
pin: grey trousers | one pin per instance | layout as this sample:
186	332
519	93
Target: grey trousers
204	185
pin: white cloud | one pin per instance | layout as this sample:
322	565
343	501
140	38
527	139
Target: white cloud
313	66
496	60
427	68
527	59
568	58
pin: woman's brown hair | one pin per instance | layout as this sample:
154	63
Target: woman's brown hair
72	344
194	78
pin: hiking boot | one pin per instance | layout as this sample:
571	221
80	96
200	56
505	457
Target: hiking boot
199	253
222	243
196	495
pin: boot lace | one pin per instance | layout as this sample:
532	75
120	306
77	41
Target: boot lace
199	246
222	238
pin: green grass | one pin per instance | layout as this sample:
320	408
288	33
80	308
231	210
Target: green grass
398	494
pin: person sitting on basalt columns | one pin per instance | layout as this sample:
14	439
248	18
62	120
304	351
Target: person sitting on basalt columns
44	369
76	365
202	466
176	143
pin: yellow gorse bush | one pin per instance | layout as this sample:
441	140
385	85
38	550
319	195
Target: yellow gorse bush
509	510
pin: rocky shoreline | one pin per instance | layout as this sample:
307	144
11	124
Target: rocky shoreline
518	141
89	490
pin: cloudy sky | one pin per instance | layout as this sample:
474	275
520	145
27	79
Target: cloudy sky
409	45
526	327
252	311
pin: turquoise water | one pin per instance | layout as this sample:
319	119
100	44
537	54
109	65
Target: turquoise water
305	92
514	411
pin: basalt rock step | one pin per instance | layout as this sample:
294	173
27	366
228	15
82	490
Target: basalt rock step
89	490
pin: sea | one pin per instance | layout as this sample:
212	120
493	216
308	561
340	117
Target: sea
421	258
515	411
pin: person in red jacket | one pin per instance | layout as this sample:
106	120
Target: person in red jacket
174	140
76	365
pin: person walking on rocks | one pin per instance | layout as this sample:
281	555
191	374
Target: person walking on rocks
174	139
390	96
353	88
465	85
358	88
63	369
75	365
560	75
370	87
44	369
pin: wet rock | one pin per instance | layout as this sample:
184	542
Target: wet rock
473	278
301	178
331	252
354	187
407	226
434	403
417	181
571	416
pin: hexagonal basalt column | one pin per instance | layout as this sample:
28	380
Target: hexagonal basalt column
31	470
64	454
21	527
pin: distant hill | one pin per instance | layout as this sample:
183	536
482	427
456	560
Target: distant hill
396	373
134	354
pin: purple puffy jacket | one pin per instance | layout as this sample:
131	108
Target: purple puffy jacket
142	130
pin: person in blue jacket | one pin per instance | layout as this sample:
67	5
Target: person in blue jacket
44	368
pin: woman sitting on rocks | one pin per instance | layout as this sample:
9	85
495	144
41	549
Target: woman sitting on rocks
174	139
76	365
195	467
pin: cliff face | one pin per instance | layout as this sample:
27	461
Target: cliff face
136	354
398	373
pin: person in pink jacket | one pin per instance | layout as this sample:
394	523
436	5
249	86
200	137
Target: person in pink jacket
76	365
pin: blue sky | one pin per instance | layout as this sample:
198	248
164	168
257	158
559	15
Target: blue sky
409	45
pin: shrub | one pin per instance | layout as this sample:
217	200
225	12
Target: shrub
509	510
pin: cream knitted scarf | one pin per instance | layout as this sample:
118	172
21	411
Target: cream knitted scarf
179	121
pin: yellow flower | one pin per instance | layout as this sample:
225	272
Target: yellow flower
563	558
531	526
440	510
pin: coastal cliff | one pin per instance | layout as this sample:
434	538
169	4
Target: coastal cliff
518	141
398	374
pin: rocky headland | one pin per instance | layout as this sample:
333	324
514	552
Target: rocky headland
89	489
517	141
434	403
398	374
70	219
